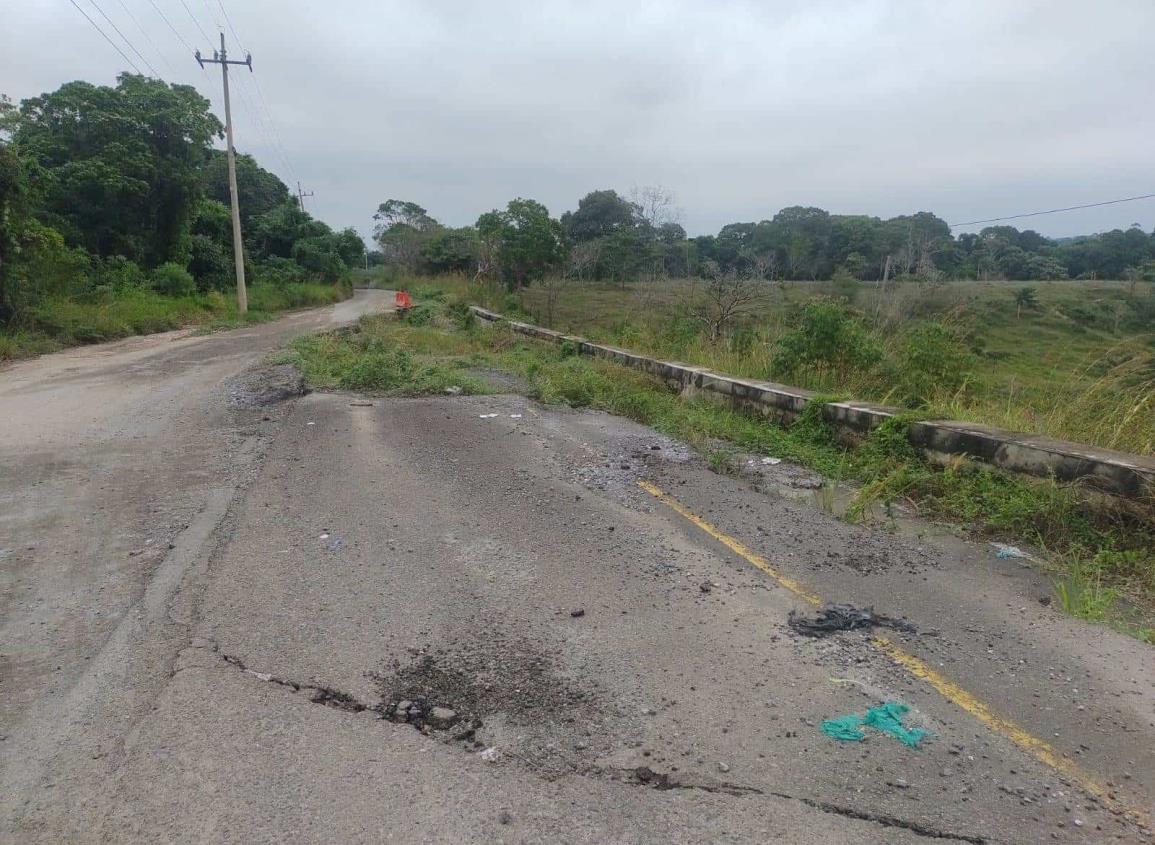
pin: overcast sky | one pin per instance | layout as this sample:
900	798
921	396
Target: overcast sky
967	109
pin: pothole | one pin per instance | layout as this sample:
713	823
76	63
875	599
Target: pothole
504	693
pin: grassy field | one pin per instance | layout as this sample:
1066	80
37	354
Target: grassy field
1066	368
1079	365
69	322
1101	552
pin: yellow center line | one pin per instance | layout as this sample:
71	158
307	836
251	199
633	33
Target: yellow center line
1041	750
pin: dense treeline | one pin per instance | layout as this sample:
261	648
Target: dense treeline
610	237
107	191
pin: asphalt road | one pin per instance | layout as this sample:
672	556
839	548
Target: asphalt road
211	599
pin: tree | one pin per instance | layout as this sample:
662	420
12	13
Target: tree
450	251
13	220
727	296
1025	297
403	229
524	240
599	214
655	206
119	168
403	213
275	232
258	190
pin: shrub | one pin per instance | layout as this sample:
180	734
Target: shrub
829	337
845	285
935	360
173	280
280	272
421	314
118	274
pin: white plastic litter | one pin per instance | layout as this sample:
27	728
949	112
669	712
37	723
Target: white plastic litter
486	416
490	755
515	416
310	422
1004	551
771	462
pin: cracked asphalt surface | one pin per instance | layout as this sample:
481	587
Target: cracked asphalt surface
213	606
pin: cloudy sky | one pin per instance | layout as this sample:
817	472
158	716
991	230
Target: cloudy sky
968	109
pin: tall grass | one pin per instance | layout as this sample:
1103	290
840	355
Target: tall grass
62	321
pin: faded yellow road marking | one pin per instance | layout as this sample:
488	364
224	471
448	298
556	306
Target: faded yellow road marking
1041	750
736	546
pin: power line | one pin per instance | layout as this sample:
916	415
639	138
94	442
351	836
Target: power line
1053	211
195	21
147	38
131	46
267	133
262	111
232	29
175	31
106	38
213	15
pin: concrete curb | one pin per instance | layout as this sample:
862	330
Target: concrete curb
1106	470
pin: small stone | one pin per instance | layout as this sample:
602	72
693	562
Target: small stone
576	612
490	755
453	390
899	783
442	716
504	817
723	768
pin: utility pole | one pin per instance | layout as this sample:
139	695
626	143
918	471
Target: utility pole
222	59
301	195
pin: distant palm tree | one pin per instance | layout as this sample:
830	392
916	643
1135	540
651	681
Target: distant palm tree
1025	298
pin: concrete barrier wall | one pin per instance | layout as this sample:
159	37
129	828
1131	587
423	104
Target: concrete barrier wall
1105	470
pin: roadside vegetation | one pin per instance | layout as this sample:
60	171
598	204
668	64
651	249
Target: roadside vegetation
114	221
1100	549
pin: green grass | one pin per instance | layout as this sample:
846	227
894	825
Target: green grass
58	323
1077	368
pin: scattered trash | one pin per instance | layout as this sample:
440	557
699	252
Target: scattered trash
515	416
453	390
361	404
577	612
490	755
310	422
324	536
771	462
845	728
1003	551
886	718
486	416
844	617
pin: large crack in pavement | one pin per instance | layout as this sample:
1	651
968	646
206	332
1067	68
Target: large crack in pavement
882	819
423	682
